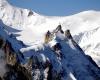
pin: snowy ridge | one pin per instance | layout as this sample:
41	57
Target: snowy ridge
26	31
70	63
89	41
31	23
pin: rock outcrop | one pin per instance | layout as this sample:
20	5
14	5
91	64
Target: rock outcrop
13	68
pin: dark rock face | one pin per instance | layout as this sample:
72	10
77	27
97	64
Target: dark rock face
41	70
30	13
47	37
33	69
68	34
59	28
0	78
15	71
91	60
1	42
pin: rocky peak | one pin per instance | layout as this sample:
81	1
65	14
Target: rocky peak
3	3
47	37
68	34
59	28
30	13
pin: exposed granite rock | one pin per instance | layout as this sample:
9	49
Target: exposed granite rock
15	71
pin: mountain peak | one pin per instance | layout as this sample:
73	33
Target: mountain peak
4	2
60	55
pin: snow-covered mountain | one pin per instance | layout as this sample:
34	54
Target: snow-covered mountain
58	58
25	30
30	22
33	26
90	42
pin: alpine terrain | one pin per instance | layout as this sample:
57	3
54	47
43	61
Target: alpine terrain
38	47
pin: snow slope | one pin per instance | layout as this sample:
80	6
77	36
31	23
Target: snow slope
26	32
32	27
90	42
35	25
73	65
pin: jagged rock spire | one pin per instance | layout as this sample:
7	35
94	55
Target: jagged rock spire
68	34
47	36
59	28
30	13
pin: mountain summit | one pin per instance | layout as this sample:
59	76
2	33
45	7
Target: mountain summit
42	48
58	58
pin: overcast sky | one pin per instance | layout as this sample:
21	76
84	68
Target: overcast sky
57	7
